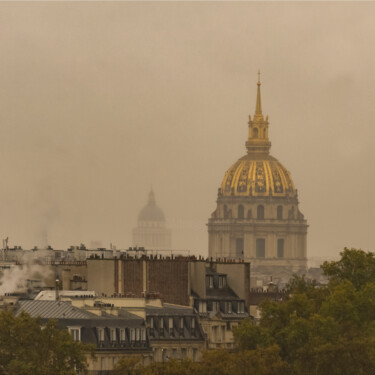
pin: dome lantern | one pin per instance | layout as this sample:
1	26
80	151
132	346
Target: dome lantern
258	128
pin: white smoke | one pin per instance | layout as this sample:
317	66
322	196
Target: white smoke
16	278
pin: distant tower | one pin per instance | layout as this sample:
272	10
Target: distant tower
151	231
257	216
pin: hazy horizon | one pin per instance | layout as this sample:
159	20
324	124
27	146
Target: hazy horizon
102	100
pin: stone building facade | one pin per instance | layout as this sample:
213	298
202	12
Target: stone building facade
257	216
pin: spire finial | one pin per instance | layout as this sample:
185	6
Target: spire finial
258	107
151	197
258	128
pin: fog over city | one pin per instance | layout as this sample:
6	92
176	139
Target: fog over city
100	101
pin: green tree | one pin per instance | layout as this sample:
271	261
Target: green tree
28	348
356	266
322	329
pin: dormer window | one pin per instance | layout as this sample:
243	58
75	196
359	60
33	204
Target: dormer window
143	334
138	334
210	281
132	334
202	307
112	334
241	307
122	335
75	333
100	334
228	307
222	281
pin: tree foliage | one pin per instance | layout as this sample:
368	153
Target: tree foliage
356	266
322	329
28	348
263	361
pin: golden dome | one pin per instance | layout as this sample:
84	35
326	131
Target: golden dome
258	174
258	177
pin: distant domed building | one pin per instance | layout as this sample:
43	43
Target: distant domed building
257	216
151	231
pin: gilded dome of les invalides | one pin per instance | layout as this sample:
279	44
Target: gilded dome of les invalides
258	174
257	216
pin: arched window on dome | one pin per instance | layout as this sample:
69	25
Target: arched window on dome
279	212
241	212
260	212
255	132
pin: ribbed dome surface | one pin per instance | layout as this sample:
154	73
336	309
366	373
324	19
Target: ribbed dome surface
257	176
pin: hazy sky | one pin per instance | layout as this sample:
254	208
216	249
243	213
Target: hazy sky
101	101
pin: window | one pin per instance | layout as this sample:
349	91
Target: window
122	335
137	334
170	323
214	332
260	247
279	212
228	307
210	281
280	248
241	307
181	323
132	334
260	212
101	334
222	281
143	334
215	306
192	323
255	132
239	247
75	333
241	212
161	323
202	307
152	323
195	354
112	334
183	352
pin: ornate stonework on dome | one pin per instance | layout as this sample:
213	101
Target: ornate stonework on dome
257	216
151	231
